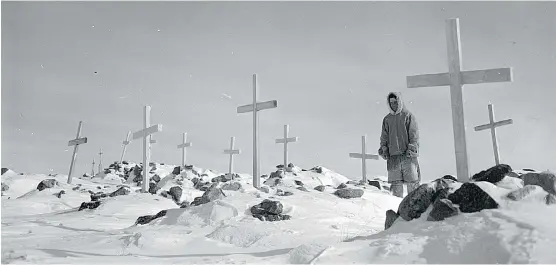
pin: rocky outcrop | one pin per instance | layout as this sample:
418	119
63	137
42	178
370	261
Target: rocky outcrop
46	184
269	210
349	193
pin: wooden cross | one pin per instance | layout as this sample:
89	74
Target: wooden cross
363	156
100	161
184	145
256	107
75	142
93	169
125	143
492	126
285	141
232	152
456	78
146	133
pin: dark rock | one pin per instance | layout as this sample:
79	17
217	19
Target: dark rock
235	186
342	186
352	182
546	180
529	170
416	202
391	217
222	178
442	209
277	174
375	183
265	189
291	165
213	193
149	218
59	194
349	193
176	193
177	170
280	192
280	166
264	176
384	187
107	171
89	205
320	188
267	207
75	188
152	188
317	169
471	198
195	181
156	178
47	183
550	199
5	187
184	204
494	174
125	163
450	177
298	182
520	194
190	167
4	170
120	191
302	188
99	187
98	196
272	218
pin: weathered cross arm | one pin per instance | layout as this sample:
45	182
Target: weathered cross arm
467	77
260	106
288	140
494	125
146	132
367	156
188	144
232	152
77	141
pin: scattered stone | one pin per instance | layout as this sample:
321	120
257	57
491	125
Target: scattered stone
320	188
195	180
471	198
520	194
375	183
89	205
550	199
317	169
156	178
125	162
148	218
153	188
75	188
4	170
442	209
280	166
450	177
291	165
265	189
190	167
47	183
235	186
222	178
176	193
349	193
546	180
416	202
277	174
391	217
493	174
59	194
5	187
165	194
120	191
352	182
184	204
342	186
269	210
98	196
280	192
264	176
99	187
298	182
302	189
272	217
213	193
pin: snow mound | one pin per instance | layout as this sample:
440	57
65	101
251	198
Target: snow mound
212	213
243	235
306	253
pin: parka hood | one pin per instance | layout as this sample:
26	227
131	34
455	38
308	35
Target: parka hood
400	103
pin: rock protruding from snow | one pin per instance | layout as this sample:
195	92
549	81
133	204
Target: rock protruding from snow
520	194
121	191
59	194
280	192
341	186
213	193
391	217
234	186
5	187
546	180
471	198
89	205
320	188
493	174
416	202
269	210
176	192
4	170
145	219
46	184
375	183
442	209
349	193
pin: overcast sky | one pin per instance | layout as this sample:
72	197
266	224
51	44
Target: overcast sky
329	65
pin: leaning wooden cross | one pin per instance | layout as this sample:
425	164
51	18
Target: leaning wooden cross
75	142
456	78
232	152
285	141
184	145
146	133
492	126
125	143
363	156
255	107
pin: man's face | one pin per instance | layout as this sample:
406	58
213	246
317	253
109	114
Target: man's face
394	104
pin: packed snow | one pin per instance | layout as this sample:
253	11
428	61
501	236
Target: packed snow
46	226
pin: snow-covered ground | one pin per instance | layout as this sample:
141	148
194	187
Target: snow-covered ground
39	227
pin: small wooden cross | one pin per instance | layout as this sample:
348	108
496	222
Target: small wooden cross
75	142
255	107
93	169
492	126
100	161
363	156
456	78
125	143
285	141
146	133
184	145
232	152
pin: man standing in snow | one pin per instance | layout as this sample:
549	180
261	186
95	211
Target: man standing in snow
399	146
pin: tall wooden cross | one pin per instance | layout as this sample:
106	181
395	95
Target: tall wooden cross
492	126
75	143
100	161
125	143
232	152
93	169
456	78
363	156
285	141
184	145
255	107
146	133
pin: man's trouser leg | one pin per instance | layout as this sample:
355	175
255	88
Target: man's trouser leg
411	174
411	186
396	187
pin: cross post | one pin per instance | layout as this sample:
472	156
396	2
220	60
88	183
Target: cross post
145	133
93	169
232	152
456	78
285	141
363	156
184	145
256	107
492	126
75	142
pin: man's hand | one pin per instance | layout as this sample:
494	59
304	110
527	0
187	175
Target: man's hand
383	152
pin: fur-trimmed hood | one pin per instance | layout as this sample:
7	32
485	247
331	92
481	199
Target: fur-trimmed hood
400	103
